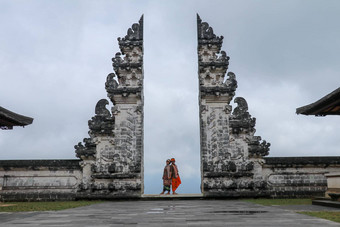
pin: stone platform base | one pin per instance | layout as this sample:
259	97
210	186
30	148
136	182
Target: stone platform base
168	213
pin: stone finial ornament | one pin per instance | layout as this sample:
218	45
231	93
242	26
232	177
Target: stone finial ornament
205	33
257	149
231	81
111	84
102	123
134	35
101	108
86	151
240	117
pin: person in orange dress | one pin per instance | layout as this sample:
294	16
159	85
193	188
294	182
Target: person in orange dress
176	180
166	178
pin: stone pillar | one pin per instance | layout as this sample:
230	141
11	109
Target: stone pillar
128	99
112	158
231	156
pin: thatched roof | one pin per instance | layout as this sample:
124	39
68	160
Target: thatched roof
328	105
8	119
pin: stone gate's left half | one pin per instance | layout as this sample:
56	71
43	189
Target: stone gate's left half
112	157
110	164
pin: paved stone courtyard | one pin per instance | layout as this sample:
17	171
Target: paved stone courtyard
170	213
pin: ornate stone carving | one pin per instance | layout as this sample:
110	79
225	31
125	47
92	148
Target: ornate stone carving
113	161
101	108
231	156
87	150
134	35
231	82
111	84
241	111
241	120
102	123
227	87
257	149
206	34
130	61
218	60
213	64
128	65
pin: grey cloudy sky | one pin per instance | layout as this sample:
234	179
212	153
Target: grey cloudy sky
55	56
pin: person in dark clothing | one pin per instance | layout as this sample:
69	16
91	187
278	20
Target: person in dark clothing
167	178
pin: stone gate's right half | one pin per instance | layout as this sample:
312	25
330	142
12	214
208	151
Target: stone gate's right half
231	156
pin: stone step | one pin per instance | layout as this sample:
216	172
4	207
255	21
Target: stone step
322	198
171	196
328	203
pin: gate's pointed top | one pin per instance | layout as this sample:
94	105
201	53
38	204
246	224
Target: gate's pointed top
205	33
134	34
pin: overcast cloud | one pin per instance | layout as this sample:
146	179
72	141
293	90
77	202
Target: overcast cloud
55	56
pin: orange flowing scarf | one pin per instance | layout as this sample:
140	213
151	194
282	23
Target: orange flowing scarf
175	181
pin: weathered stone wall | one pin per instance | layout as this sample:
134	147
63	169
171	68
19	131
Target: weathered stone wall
39	180
298	176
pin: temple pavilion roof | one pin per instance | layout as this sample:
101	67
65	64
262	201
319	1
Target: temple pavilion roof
328	105
8	119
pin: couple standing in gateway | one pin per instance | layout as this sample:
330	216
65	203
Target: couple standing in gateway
170	177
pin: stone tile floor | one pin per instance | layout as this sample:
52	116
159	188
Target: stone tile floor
170	213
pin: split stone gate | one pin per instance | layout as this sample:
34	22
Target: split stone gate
231	156
110	164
